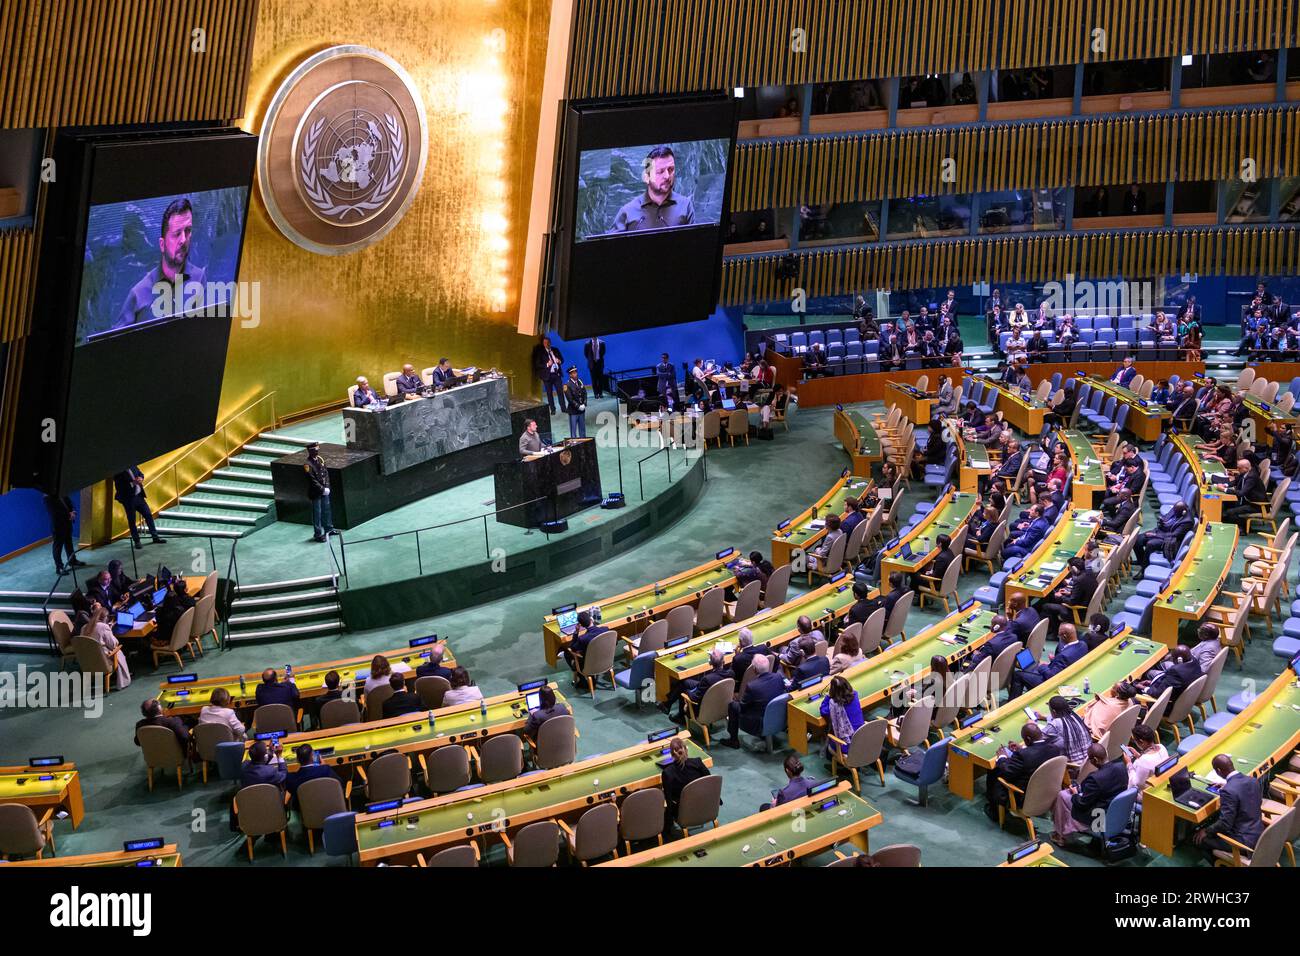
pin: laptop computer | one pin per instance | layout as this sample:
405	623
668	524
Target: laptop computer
158	597
729	404
1026	659
1181	786
568	621
125	620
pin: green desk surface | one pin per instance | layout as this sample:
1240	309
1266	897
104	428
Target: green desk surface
1274	414
1131	399
1200	582
309	679
1102	668
32	786
801	531
766	626
1251	744
1078	528
1089	466
1007	392
169	859
587	778
903	662
943	519
771	836
868	440
646	599
1199	463
348	740
977	455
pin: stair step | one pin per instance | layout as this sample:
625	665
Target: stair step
267	617
286	439
192	513
275	633
41	647
195	531
19	595
258	448
244	461
19	609
226	502
12	626
281	600
265	586
244	474
233	488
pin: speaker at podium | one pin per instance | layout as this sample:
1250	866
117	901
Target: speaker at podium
566	479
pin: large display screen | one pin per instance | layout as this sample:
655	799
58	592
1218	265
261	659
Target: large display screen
634	189
641	200
157	259
137	289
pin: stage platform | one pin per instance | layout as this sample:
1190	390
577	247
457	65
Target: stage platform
386	572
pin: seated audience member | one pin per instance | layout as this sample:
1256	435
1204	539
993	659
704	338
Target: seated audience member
1250	491
1160	394
364	396
747	712
274	691
862	604
462	689
1125	373
432	666
443	374
1182	668
1207	646
746	650
219	711
1016	764
1240	804
696	687
1077	804
1067	730
843	713
1171	527
547	707
1026	538
381	669
1092	559
333	690
804	661
1098	632
1117	510
796	787
402	701
1100	712
1069	649
1075	591
151	715
848	652
932	573
176	603
852	516
576	649
1023	617
408	383
1143	754
309	768
119	581
264	765
818	555
681	770
1003	637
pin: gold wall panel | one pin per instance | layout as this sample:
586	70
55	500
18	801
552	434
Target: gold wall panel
1251	250
633	47
445	280
1184	147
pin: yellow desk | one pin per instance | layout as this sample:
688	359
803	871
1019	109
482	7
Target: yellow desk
1033	854
24	785
1259	737
1196	582
163	856
1088	478
946	517
633	611
144	629
769	838
1213	496
798	534
1048	564
972	458
913	402
1025	414
1145	422
858	436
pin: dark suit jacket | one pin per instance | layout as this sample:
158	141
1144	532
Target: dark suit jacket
255	773
541	715
701	684
540	361
1081	590
740	661
1119	517
1023	624
430	669
401	703
675	778
1099	788
124	488
313	771
817	666
281	692
1252	489
1065	656
106	597
1239	810
938	566
757	696
599	356
1011	465
1175	678
1020	766
60	510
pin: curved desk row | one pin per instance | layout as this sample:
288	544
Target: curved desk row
1026	414
805	529
57	785
1088	478
859	438
1145	419
1196	582
1213	496
1048	564
946	517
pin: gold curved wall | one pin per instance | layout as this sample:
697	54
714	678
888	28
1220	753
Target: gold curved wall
434	285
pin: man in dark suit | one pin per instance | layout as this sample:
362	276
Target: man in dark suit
101	590
1117	510
594	350
583	635
547	707
1239	817
695	687
263	766
1182	670
273	691
176	603
1010	466
408	383
747	713
1016	764
1250	492
1003	637
151	715
1075	591
744	656
1185	408
308	769
444	376
548	364
432	666
1027	535
1069	650
1023	617
62	515
1090	799
933	572
1171	527
128	489
402	700
1125	373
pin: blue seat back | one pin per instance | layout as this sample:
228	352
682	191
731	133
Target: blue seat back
1120	813
340	834
936	758
774	715
230	759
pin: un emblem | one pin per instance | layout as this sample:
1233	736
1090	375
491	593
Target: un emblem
342	150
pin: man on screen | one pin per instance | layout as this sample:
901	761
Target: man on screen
172	270
659	207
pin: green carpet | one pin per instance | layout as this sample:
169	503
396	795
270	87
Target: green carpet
749	491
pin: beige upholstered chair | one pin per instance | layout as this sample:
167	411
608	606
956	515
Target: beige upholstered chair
317	800
709	615
93	659
206	737
700	802
23	833
738	425
1268	849
375	699
446	769
204	623
1037	797
747	601
458	857
431	690
61	627
712	708
864	750
594	835
681	622
898	855
537	844
641	817
499	758
272	717
178	640
339	712
778	585
262	809
599	658
160	749
557	743
387	778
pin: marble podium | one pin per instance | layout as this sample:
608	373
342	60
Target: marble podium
413	432
548	486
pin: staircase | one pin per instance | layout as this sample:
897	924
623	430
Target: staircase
22	620
275	610
234	499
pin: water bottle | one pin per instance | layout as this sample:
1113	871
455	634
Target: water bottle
1087	686
482	706
243	691
288	672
